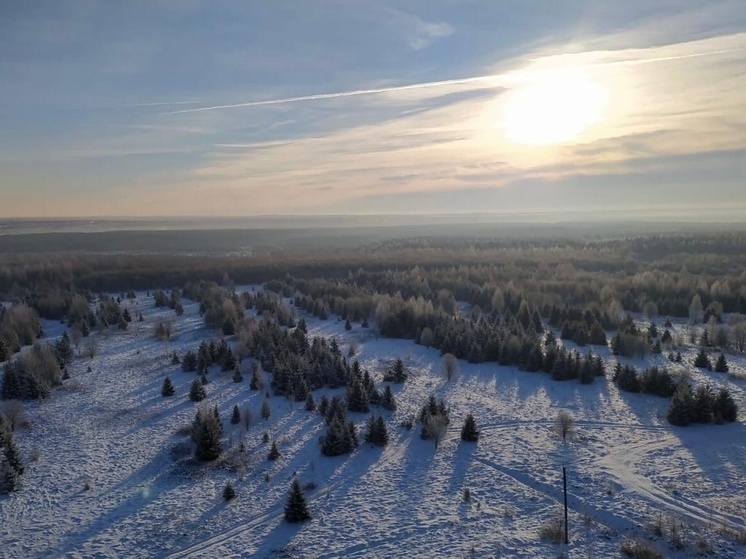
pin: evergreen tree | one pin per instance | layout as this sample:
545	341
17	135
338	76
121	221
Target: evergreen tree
189	363
724	407
348	326
721	365
207	432
357	399
274	454
388	402
175	358
229	361
228	492
702	361
265	409
681	407
168	387
310	404
702	404
63	349
197	391
237	376
296	509
323	405
469	431
397	373
376	432
236	415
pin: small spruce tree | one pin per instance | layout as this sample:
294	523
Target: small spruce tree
702	361
296	509
168	387
388	402
310	404
469	431
721	365
274	453
197	391
228	492
681	407
236	415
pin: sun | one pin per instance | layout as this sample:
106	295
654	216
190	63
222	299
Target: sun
553	107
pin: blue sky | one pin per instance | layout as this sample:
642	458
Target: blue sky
341	106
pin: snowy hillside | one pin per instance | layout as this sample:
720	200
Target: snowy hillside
110	473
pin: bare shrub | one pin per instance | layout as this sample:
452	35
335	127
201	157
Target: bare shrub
675	535
15	414
91	347
703	546
639	549
564	425
436	428
449	367
553	530
163	330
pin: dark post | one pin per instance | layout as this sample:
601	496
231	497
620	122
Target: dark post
564	482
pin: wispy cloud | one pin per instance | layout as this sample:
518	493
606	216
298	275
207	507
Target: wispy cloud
669	100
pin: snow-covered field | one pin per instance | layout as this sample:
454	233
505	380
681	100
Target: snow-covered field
108	475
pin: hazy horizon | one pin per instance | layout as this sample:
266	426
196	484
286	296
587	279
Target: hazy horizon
180	109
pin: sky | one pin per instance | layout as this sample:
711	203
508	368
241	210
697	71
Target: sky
211	108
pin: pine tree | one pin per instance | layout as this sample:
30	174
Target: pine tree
197	391
265	409
388	402
296	509
273	454
681	406
63	349
376	432
228	492
236	415
702	361
348	326
469	431
189	363
357	399
168	387
724	407
175	358
721	365
310	404
237	376
207	432
323	405
702	404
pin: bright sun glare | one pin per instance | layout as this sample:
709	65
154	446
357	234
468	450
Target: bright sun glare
553	107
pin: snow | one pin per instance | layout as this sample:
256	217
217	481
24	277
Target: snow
108	474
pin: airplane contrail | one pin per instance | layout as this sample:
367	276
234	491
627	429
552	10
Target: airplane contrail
340	94
503	80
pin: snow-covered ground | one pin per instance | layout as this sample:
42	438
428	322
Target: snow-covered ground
108	475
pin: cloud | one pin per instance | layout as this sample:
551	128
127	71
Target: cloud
667	102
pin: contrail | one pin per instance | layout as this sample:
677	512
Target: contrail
504	78
340	94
